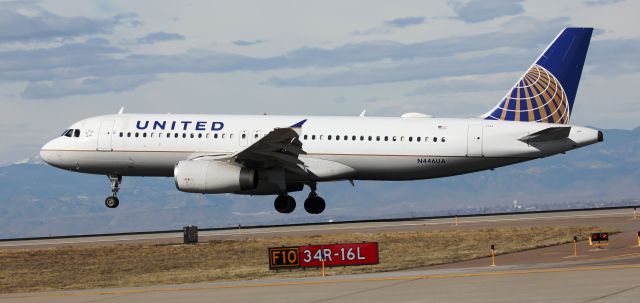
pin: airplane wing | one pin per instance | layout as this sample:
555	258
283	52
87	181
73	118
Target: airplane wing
548	134
279	148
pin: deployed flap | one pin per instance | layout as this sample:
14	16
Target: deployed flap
279	148
548	134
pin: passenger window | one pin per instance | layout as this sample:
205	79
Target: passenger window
377	138
386	138
191	136
418	139
442	139
353	138
361	138
401	138
200	135
370	138
128	135
175	135
215	136
346	138
320	138
222	137
305	137
394	139
168	135
329	137
230	136
410	139
435	139
207	135
121	134
152	135
337	138
144	135
137	134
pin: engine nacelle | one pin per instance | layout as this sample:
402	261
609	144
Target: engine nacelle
212	177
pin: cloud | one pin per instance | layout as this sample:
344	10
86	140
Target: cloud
389	25
247	42
602	2
476	83
405	22
86	86
159	37
483	10
28	22
435	66
409	71
96	58
82	68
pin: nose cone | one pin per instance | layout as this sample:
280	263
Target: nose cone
46	154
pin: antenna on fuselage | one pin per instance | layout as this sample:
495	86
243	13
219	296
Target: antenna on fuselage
121	111
363	112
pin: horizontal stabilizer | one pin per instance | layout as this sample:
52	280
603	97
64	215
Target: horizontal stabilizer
548	134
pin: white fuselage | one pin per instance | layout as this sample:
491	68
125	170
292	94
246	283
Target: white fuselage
337	148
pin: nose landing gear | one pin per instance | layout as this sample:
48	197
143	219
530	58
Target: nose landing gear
112	201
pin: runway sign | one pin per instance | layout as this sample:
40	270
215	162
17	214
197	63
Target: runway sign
599	239
283	257
339	254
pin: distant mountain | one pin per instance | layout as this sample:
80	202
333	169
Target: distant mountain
39	200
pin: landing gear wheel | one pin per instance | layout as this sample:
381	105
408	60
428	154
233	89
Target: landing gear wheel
314	204
284	204
111	202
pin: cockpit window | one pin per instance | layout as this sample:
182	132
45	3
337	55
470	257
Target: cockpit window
76	133
68	133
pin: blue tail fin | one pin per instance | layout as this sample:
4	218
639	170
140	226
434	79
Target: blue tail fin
545	93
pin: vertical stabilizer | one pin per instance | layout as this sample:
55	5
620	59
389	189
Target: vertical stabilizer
546	92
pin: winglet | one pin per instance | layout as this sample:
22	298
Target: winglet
363	113
121	111
299	124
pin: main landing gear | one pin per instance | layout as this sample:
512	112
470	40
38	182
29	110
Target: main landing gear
112	201
284	204
314	204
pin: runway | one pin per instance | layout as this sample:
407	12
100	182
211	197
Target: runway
614	219
577	282
551	274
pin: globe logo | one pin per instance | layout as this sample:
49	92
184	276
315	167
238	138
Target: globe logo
538	97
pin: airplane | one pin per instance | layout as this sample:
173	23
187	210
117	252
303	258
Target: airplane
277	155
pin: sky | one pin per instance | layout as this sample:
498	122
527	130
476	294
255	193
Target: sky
62	61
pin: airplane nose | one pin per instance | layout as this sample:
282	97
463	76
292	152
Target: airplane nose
50	153
46	154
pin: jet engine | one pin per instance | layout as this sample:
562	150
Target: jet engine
213	177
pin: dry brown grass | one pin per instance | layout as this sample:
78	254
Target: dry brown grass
137	265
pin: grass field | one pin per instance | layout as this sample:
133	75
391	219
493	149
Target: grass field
127	265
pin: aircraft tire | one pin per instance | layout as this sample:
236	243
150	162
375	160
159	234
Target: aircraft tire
111	202
284	204
314	204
